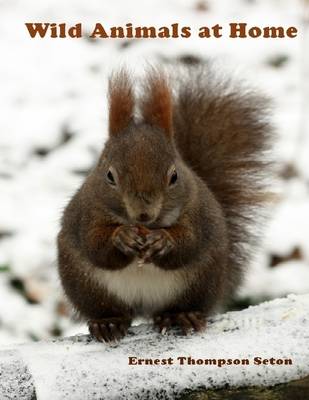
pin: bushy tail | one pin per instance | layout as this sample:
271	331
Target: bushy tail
222	131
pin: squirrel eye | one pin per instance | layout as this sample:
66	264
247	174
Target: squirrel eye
173	178
110	178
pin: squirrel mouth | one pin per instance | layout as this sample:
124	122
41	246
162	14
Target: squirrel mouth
149	223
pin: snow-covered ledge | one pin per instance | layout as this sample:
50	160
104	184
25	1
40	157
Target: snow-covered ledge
79	368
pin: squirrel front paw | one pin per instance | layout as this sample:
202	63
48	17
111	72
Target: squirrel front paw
128	240
158	243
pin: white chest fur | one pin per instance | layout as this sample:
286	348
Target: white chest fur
145	288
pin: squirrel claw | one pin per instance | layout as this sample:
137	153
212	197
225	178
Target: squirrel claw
109	329
128	240
188	322
158	243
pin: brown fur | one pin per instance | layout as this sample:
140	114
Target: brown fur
156	104
227	125
201	231
121	102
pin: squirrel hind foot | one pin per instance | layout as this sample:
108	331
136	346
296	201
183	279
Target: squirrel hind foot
109	329
188	322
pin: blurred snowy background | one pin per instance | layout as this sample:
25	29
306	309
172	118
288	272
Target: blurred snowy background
53	123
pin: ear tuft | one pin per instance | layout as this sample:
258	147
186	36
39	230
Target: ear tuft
156	103
121	101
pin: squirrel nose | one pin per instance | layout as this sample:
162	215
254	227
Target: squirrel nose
144	217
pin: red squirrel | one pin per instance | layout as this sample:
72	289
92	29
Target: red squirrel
165	223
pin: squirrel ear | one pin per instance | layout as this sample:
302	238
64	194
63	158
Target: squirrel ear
121	102
156	103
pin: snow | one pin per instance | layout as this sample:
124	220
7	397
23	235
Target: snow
80	368
53	101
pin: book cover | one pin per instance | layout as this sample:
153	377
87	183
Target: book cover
75	76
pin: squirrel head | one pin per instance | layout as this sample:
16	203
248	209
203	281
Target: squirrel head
143	179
